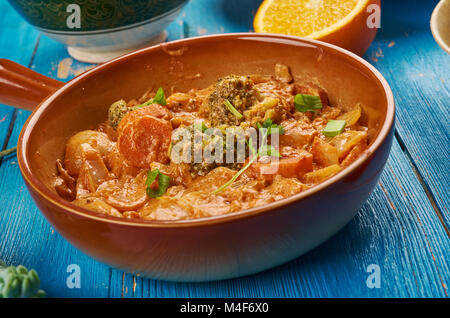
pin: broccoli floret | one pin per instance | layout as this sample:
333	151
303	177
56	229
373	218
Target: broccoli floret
116	112
210	144
19	282
239	91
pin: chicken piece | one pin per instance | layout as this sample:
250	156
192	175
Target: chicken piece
328	112
65	185
97	140
283	187
297	134
183	119
163	208
213	180
269	108
203	204
178	101
244	192
93	171
125	195
312	89
324	154
97	205
283	73
280	91
179	173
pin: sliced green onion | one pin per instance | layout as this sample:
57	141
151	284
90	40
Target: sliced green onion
334	127
307	103
163	183
232	109
250	146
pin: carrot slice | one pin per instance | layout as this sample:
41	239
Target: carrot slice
144	138
154	110
294	165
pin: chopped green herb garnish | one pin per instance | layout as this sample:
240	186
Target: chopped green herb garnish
159	98
334	128
249	163
163	183
265	150
235	176
250	146
268	150
269	125
200	126
232	109
307	103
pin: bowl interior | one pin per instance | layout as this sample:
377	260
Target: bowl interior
194	63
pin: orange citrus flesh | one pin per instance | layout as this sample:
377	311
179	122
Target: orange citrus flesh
340	22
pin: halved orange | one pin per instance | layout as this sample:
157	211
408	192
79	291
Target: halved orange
345	23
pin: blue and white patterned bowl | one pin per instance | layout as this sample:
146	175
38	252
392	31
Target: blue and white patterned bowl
96	31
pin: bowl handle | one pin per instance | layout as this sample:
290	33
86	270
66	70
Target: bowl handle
22	87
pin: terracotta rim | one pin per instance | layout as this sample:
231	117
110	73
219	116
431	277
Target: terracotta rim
54	199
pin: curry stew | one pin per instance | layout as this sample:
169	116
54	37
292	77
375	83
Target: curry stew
126	167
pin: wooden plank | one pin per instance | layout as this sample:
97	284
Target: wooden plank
25	236
418	71
16	43
395	230
309	275
203	17
415	262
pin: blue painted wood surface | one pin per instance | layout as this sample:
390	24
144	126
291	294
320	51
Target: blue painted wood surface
402	228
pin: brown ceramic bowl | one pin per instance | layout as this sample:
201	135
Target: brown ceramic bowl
212	248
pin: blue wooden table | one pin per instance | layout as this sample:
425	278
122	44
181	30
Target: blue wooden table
403	228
